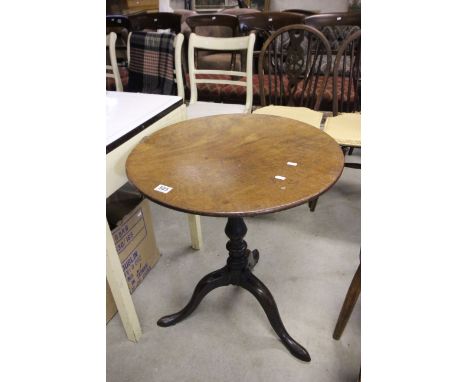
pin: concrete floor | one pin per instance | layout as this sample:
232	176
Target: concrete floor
307	260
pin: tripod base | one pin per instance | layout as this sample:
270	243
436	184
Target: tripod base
238	271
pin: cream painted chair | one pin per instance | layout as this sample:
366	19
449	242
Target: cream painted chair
178	42
197	108
112	70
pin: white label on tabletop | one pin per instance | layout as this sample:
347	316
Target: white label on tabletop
292	164
162	188
279	177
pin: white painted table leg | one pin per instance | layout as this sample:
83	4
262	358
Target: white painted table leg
119	289
195	231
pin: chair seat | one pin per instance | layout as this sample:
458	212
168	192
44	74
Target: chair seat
205	109
302	114
345	129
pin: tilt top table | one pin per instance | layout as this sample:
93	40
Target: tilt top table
234	166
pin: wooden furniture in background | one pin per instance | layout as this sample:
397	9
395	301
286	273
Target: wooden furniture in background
345	125
264	24
213	25
290	67
235	166
156	20
302	11
129	118
327	19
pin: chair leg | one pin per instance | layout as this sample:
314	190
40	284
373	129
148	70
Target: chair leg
348	305
350	152
313	204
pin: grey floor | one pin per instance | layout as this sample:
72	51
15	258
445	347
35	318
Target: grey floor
307	260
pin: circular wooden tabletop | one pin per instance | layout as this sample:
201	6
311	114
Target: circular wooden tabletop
235	165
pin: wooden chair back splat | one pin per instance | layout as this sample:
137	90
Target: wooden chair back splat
290	67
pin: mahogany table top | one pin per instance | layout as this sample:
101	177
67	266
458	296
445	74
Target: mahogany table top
235	165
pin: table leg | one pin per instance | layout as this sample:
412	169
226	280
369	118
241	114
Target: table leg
238	271
119	289
195	231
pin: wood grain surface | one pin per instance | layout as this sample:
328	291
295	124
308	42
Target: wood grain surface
226	165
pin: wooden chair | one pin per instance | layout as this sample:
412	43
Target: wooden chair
264	24
291	81
214	25
345	125
178	75
156	21
198	76
112	70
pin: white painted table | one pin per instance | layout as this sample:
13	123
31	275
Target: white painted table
129	118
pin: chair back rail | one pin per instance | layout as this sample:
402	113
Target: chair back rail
156	20
301	11
268	21
213	20
326	19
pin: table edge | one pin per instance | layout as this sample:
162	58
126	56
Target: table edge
247	213
127	136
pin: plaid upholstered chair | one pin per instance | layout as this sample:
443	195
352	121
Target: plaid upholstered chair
223	78
112	70
155	63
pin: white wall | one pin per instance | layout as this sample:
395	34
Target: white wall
319	5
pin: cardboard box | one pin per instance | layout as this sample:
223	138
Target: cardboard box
136	246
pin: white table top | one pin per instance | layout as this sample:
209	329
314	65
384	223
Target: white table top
126	112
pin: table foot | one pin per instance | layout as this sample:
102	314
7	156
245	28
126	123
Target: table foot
211	281
266	300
